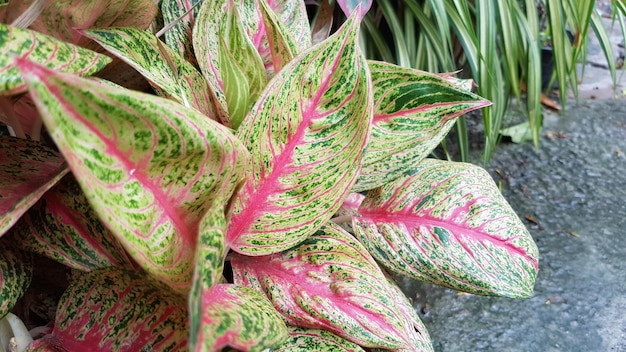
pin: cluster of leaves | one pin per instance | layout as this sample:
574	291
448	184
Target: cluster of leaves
446	35
255	146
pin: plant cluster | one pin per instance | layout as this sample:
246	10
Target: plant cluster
205	214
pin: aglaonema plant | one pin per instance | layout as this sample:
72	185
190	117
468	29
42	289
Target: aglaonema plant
254	150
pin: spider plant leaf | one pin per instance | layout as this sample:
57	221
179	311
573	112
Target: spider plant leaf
45	50
118	310
16	272
144	52
28	169
341	289
150	167
413	112
306	135
449	225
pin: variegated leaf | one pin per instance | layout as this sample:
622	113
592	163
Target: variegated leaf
117	310
293	16
329	282
27	170
16	272
150	167
64	19
306	136
65	228
305	340
413	112
166	71
178	37
47	343
238	317
448	224
45	50
281	46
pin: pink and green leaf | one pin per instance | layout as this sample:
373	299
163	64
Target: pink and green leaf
178	37
238	317
45	50
65	228
117	310
166	70
306	137
413	112
64	19
27	170
329	282
305	340
449	225
282	47
292	14
150	167
16	272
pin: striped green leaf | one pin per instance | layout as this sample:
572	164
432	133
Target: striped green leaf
305	340
413	112
330	282
117	310
238	317
150	167
45	50
64	19
16	272
65	228
449	225
27	170
306	136
166	70
178	37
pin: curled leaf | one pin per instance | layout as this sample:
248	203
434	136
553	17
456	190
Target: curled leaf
16	272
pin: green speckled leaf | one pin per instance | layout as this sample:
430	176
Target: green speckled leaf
150	57
306	136
45	50
448	224
330	282
117	310
27	170
178	38
150	167
281	46
306	340
64	19
16	272
241	318
413	112
64	227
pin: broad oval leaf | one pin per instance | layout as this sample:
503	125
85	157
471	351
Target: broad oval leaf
166	70
305	340
64	19
306	136
413	112
65	228
150	167
238	317
16	272
449	225
28	169
45	50
118	310
330	282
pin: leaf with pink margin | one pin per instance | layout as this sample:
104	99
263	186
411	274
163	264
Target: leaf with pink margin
306	137
16	272
149	167
64	227
413	112
178	38
45	50
64	19
150	57
241	318
348	6
118	310
329	282
27	170
448	224
305	340
282	47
